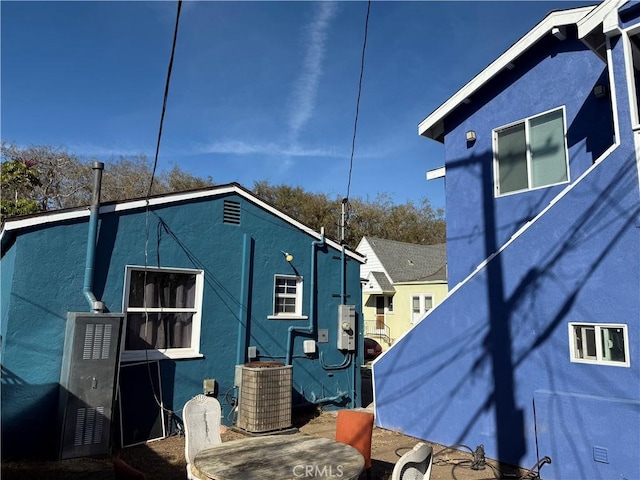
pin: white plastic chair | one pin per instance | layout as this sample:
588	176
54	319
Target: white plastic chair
201	417
414	465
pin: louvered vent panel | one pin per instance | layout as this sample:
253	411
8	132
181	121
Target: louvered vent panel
231	212
97	342
89	426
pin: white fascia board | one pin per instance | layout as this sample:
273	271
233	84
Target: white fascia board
54	217
598	16
436	173
432	124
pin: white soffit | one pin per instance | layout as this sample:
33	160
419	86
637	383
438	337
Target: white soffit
431	127
598	16
436	173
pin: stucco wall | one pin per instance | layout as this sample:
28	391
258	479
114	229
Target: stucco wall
48	278
542	80
472	370
492	364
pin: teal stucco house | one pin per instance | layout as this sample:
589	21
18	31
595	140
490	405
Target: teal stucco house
194	284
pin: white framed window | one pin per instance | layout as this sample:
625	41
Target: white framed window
531	153
600	343
163	310
420	304
287	297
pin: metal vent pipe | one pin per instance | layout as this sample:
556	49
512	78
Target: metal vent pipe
95	305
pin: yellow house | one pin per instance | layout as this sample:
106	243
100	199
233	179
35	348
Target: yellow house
401	283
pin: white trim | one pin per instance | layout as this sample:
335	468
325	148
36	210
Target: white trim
527	131
599	15
597	359
436	173
175	353
298	298
429	126
81	212
422	313
631	83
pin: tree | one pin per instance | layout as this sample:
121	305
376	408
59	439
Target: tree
17	178
41	178
377	218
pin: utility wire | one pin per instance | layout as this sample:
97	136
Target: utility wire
147	225
355	124
166	95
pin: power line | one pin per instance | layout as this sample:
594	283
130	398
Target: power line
146	239
166	95
355	124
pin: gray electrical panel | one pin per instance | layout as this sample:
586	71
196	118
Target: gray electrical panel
347	327
87	383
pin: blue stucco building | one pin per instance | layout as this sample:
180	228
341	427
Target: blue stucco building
204	280
535	351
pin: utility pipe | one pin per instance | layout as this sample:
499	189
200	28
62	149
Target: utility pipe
95	305
310	328
244	310
352	360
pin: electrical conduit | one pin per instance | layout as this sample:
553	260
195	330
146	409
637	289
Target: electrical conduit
310	328
95	305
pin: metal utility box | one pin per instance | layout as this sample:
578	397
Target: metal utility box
347	327
265	397
87	383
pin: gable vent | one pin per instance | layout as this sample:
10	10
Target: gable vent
231	212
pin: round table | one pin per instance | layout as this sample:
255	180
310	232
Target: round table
279	457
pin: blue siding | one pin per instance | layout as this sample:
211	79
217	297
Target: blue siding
490	365
540	82
48	280
471	374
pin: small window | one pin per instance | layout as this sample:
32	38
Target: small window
420	306
604	344
163	311
531	153
287	296
390	304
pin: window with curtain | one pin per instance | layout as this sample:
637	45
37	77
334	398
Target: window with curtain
162	309
531	153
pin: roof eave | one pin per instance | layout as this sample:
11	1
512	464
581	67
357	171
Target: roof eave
17	223
433	126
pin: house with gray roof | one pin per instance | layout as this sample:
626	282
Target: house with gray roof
402	283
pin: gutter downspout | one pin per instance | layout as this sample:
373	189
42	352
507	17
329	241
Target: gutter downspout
310	328
95	305
243	311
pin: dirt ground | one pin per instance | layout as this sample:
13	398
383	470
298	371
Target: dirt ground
164	459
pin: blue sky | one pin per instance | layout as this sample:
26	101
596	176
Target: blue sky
259	90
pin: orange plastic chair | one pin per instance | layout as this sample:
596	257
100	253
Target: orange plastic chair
355	428
123	471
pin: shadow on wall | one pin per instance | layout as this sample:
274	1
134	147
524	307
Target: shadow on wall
23	408
489	349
